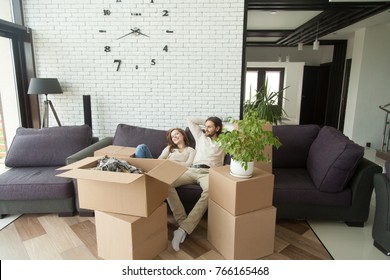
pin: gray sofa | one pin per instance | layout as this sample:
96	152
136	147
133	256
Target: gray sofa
381	226
30	185
319	172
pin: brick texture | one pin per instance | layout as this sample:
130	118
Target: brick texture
199	75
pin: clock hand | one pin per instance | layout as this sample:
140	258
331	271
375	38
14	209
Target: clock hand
136	31
133	31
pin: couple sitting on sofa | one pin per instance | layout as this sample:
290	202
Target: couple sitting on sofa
208	154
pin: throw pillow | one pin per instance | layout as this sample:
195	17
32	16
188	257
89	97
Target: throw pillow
332	160
387	168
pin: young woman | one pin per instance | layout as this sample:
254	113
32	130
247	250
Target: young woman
178	148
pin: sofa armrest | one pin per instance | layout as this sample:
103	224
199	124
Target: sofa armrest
362	186
382	209
89	151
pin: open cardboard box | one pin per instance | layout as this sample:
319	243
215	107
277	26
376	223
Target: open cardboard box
123	193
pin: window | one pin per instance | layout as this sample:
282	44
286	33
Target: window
16	69
5	10
256	77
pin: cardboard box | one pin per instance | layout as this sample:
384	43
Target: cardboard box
249	236
123	193
116	151
123	237
239	196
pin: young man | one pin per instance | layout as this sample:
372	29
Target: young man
208	154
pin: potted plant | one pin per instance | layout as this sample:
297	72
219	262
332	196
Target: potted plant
246	143
265	102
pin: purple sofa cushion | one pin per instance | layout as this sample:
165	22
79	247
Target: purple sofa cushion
47	146
296	141
33	183
131	136
332	160
294	185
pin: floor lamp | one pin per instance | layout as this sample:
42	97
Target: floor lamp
46	86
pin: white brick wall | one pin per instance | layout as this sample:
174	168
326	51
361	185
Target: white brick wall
199	75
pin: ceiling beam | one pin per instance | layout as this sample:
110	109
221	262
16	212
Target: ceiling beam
334	17
307	5
268	33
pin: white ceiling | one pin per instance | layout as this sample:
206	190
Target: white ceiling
281	20
345	33
290	20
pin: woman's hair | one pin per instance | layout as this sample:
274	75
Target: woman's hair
169	138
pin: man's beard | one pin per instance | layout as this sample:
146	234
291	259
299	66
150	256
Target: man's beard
211	135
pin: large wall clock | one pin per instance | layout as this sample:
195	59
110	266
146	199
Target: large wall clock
136	33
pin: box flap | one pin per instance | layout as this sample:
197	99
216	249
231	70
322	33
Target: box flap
83	162
104	176
146	164
168	171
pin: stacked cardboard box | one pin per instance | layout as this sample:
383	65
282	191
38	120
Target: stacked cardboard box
130	216
241	218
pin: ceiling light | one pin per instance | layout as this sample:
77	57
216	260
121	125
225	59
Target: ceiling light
273	12
316	43
300	46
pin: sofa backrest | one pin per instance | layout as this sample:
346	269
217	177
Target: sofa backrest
50	146
132	136
296	141
332	159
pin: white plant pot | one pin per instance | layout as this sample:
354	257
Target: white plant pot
238	171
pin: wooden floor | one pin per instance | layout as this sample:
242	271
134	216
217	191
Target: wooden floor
48	237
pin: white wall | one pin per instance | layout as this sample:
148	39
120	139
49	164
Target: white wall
369	85
293	80
307	55
199	75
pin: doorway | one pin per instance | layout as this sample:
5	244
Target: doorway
314	94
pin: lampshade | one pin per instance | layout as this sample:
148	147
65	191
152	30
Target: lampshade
44	86
300	46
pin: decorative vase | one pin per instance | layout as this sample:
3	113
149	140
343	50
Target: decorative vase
238	171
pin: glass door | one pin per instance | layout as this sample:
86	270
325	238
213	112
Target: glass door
16	69
9	104
256	77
